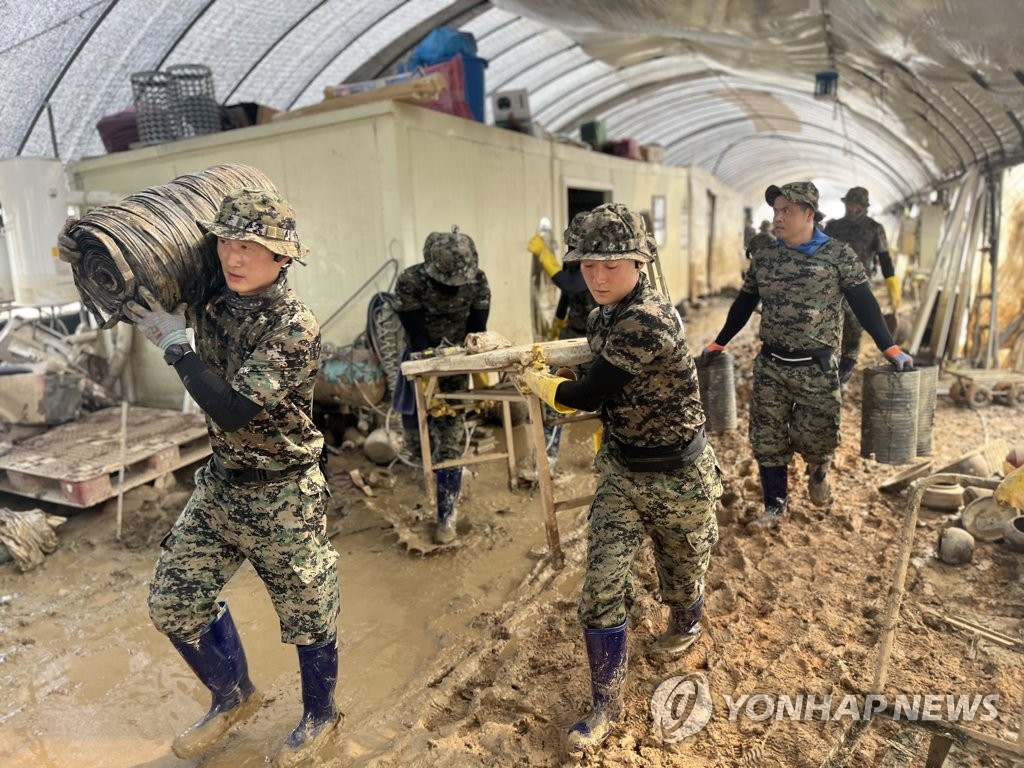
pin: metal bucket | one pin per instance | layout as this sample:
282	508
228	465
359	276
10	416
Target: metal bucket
888	423
926	408
717	392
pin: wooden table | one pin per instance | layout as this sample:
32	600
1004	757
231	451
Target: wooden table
424	374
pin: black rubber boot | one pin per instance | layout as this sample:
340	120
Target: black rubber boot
318	668
775	489
218	661
607	655
449	484
683	630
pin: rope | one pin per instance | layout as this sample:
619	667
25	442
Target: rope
151	239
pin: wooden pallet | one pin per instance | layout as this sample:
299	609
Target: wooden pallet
77	464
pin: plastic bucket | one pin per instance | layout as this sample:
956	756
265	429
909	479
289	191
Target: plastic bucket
929	378
888	426
717	391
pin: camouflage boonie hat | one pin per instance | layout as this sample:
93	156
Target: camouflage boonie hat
856	196
611	231
450	257
572	232
796	192
759	241
260	217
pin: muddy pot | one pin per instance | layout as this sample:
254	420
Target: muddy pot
956	546
1013	533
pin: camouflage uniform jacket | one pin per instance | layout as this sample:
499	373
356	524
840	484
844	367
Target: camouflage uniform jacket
660	406
447	310
802	295
268	348
865	235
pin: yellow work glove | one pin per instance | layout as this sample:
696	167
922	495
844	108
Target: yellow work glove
1011	490
895	292
544	385
481	380
539	248
557	326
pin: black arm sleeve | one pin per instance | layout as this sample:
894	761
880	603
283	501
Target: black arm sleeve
603	380
740	311
865	307
214	395
477	322
885	261
415	324
563	306
570	281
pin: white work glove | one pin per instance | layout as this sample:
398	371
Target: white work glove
161	327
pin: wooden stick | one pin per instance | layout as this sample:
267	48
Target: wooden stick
547	489
120	471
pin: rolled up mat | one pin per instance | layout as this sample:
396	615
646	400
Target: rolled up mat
151	239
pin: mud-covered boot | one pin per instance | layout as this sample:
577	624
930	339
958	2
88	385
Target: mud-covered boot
818	489
318	668
683	629
607	656
218	660
775	490
449	484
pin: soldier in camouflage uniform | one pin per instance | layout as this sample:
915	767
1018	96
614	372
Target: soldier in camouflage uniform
262	495
801	283
574	306
440	301
657	473
867	238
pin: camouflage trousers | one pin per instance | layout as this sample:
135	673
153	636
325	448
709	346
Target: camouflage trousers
280	527
794	409
852	333
675	509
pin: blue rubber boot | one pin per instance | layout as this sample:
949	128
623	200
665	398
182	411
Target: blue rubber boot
552	439
683	630
775	489
607	655
449	484
218	661
318	668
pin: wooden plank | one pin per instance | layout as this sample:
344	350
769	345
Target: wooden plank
563	352
425	88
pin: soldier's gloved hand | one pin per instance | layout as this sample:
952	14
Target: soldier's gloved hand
67	248
161	327
539	248
557	326
711	351
900	359
544	385
895	292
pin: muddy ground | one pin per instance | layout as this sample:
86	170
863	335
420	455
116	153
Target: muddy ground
471	655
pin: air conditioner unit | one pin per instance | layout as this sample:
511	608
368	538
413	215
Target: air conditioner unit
511	105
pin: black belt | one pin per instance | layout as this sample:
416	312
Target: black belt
798	357
664	458
251	476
